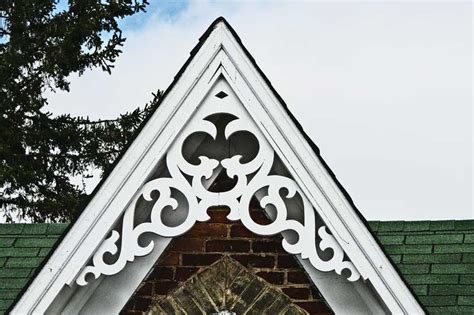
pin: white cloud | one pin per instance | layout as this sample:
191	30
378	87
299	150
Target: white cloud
384	89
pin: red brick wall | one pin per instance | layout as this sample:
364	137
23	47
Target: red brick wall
207	242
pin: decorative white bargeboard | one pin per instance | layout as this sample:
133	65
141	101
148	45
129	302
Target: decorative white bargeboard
252	174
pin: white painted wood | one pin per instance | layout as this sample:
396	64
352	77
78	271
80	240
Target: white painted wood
344	297
198	198
115	291
315	181
220	55
109	202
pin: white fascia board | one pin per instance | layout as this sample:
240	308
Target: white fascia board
109	202
318	185
101	214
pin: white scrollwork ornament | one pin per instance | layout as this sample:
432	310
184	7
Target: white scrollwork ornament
199	198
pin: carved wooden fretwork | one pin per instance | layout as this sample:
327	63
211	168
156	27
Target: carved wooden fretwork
253	178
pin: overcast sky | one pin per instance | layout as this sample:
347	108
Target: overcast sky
384	89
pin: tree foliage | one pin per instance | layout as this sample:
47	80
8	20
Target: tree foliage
40	46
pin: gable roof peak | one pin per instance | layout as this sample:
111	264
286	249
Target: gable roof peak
123	209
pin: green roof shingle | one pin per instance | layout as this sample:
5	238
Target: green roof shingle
22	248
436	259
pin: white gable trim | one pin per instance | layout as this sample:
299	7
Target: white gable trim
318	184
221	52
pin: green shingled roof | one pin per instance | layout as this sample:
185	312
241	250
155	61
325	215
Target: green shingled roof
22	249
436	258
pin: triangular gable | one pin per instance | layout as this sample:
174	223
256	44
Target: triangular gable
124	216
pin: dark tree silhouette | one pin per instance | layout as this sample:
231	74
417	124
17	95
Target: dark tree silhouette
40	46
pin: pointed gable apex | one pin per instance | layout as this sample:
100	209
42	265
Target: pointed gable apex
222	101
